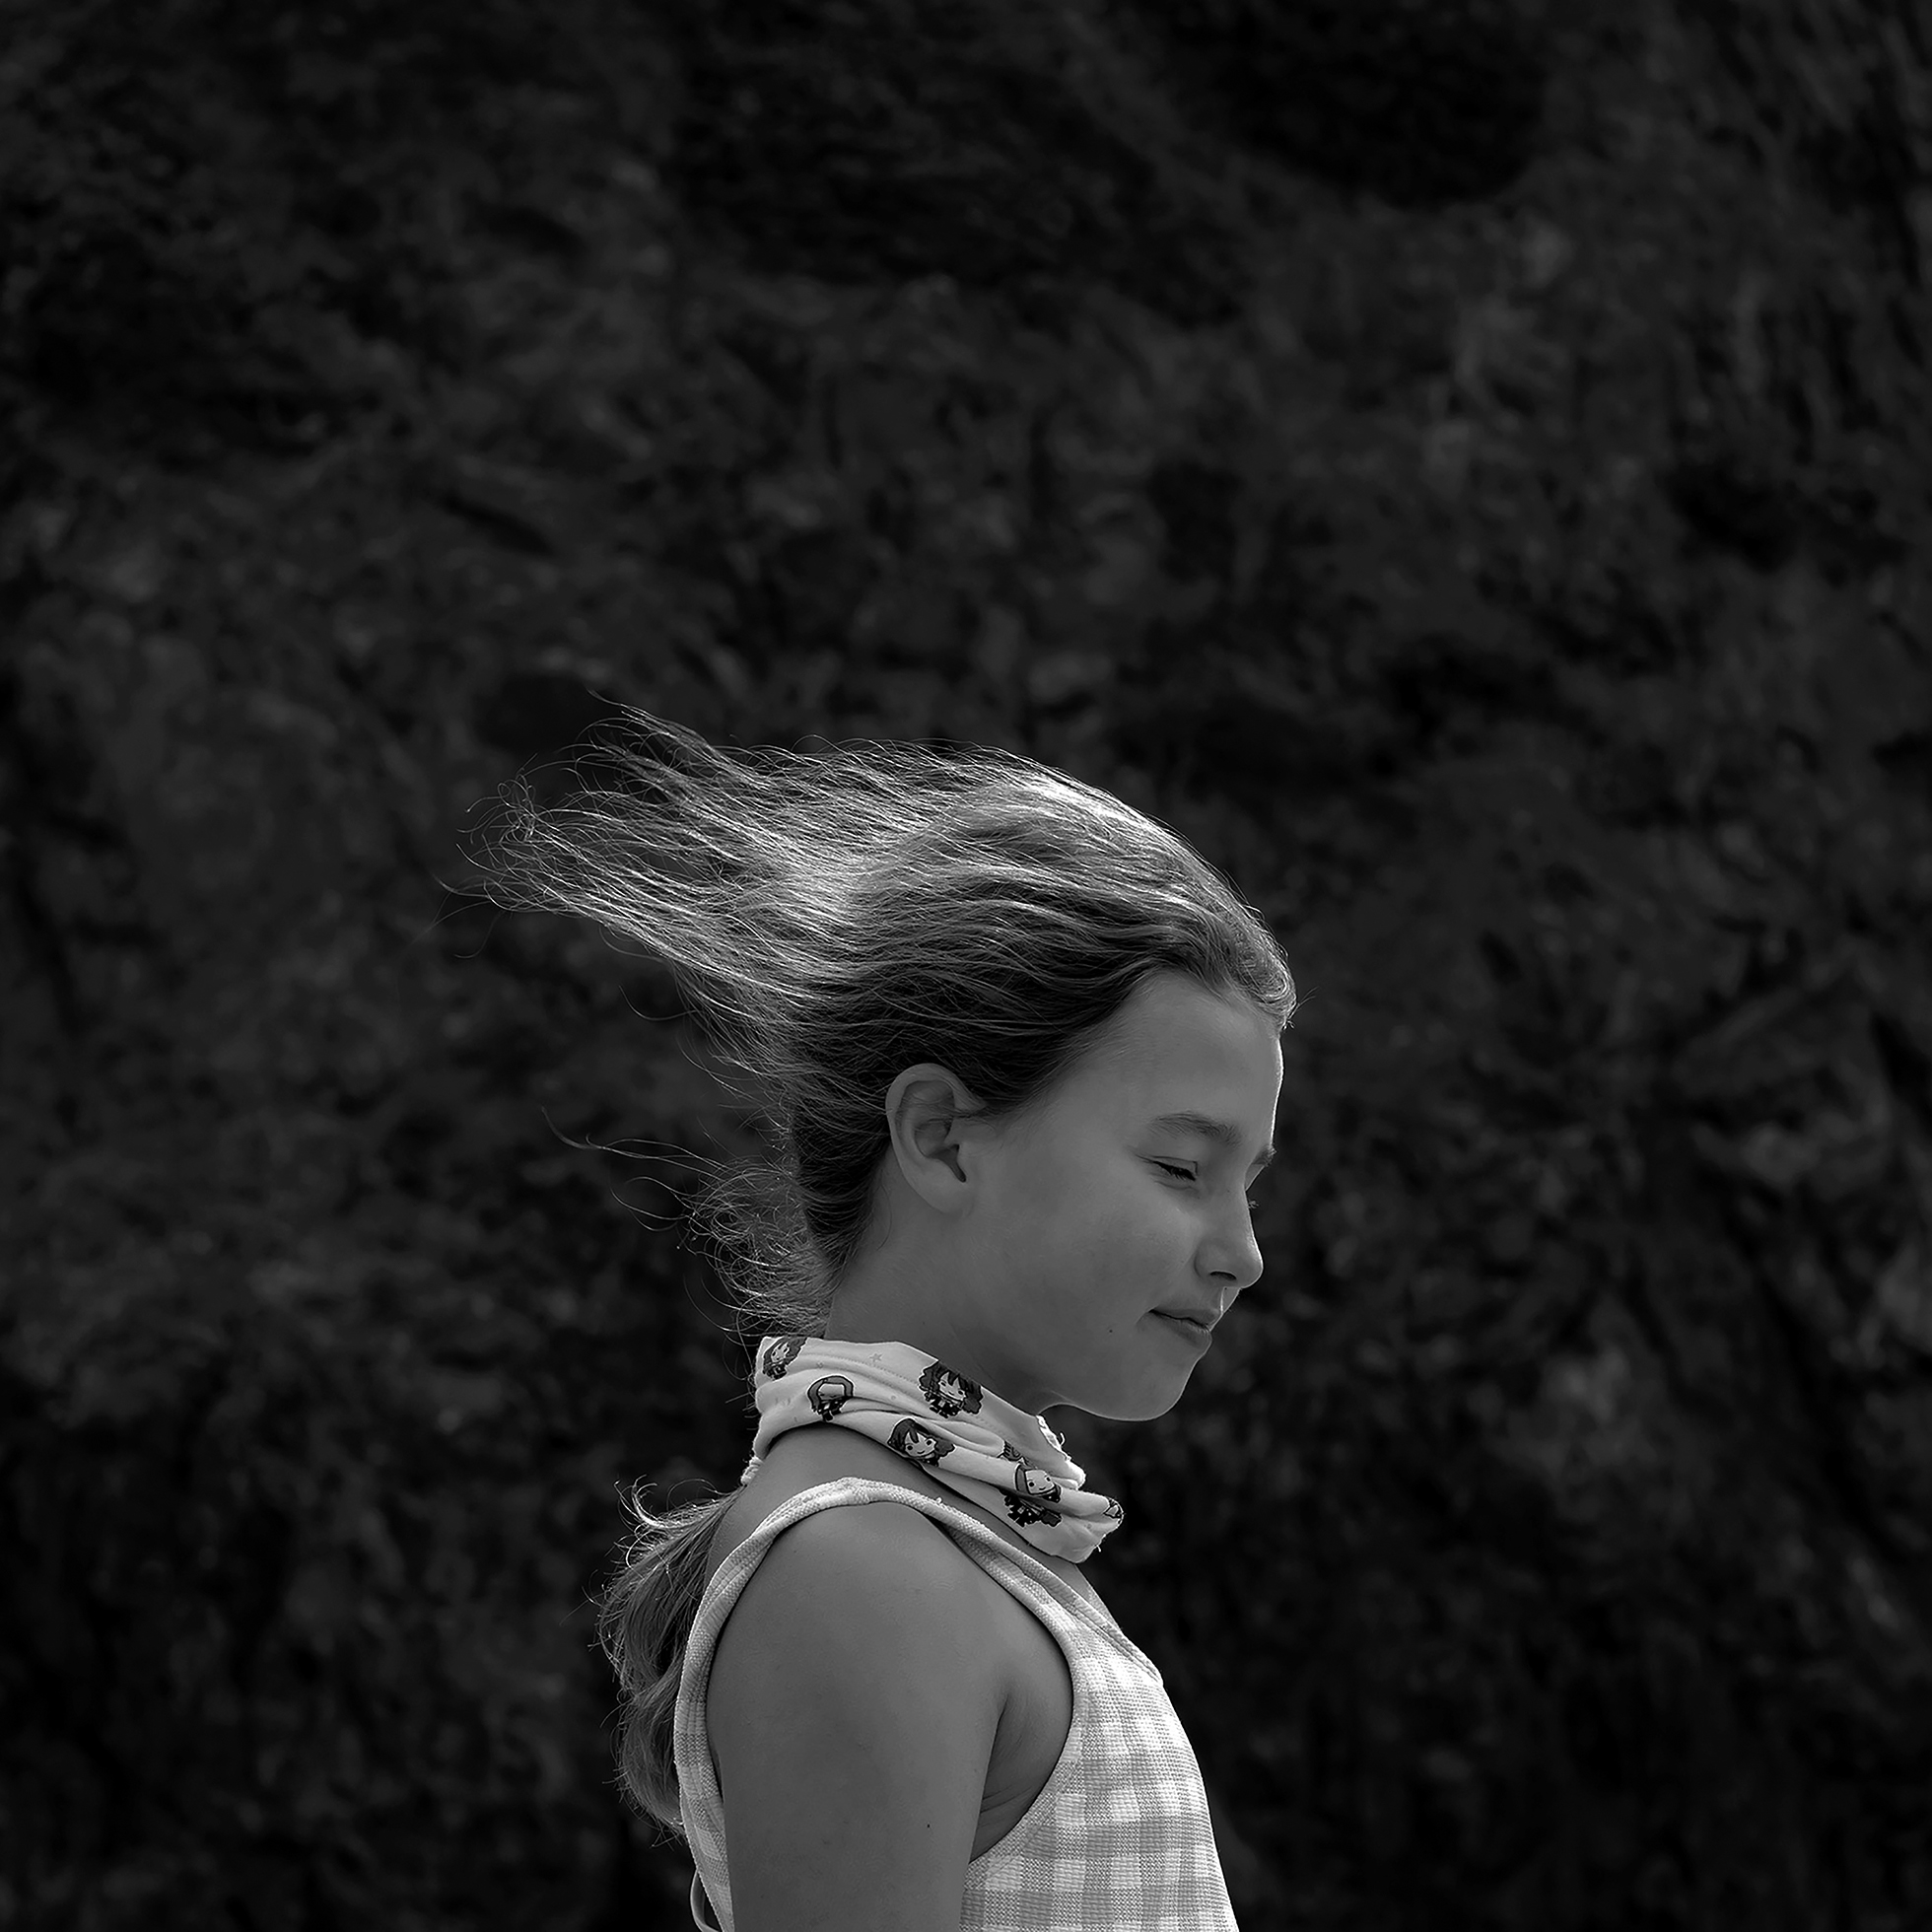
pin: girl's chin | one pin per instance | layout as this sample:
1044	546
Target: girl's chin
1150	1404
1144	1382
1152	1391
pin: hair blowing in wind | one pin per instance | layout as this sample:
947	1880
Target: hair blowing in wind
832	918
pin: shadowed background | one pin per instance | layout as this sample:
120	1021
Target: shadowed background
1464	465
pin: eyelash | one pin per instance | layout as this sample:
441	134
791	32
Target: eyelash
1188	1174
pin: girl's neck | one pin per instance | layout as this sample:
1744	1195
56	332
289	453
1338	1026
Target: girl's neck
921	1300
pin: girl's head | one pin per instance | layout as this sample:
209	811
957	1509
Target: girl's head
885	935
985	1007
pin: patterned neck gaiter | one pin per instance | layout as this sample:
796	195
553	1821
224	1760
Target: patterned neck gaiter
987	1450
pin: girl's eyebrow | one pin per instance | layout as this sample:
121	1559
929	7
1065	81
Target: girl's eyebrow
1214	1130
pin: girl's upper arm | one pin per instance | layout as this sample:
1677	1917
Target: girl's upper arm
854	1696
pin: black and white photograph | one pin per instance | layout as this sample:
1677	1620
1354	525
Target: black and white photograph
966	967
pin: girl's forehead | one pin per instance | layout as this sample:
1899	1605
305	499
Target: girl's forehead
1184	1049
1176	1024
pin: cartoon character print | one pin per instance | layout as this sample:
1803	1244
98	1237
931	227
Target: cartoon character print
1033	1485
1024	1513
948	1393
828	1394
919	1444
779	1353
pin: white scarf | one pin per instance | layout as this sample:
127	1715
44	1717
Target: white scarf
1002	1458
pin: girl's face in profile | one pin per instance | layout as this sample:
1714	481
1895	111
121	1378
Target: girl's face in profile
1119	1202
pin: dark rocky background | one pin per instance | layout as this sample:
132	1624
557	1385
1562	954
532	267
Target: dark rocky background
1465	464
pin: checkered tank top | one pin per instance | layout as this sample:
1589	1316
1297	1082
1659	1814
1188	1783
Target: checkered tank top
1118	1837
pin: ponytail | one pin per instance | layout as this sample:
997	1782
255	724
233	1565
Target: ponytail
832	919
642	1623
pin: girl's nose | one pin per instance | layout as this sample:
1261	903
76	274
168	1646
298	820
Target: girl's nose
1234	1258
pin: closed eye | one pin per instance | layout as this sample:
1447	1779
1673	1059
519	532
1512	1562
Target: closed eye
1169	1167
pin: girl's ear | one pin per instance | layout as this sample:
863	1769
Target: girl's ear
928	1110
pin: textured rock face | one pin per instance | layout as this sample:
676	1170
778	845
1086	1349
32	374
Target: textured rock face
884	141
1421	102
1465	467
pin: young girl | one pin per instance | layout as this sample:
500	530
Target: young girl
1020	1049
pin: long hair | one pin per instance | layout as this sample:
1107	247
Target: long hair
830	919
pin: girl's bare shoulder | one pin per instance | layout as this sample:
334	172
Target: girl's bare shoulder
856	1703
799	1461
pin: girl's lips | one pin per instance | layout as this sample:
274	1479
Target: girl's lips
1188	1315
1197	1333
